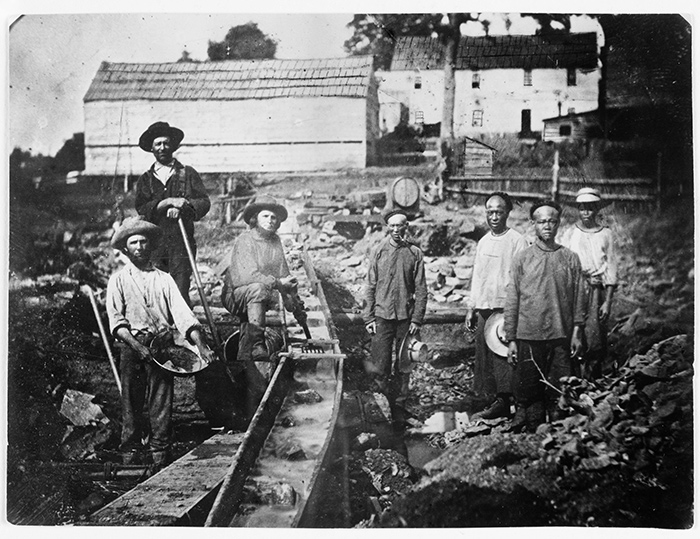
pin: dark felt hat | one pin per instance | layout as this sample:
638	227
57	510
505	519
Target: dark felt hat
264	203
135	225
160	129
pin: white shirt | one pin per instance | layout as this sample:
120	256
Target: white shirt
492	268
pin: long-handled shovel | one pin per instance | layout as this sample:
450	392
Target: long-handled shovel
218	346
103	334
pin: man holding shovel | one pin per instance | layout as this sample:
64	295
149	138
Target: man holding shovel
141	302
167	192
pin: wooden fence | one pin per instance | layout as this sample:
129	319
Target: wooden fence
645	190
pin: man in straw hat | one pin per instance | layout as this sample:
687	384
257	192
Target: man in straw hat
167	192
493	375
395	301
595	246
544	317
257	268
141	301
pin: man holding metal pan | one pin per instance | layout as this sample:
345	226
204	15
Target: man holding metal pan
167	192
144	306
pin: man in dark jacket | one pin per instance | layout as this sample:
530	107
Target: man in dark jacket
167	192
396	297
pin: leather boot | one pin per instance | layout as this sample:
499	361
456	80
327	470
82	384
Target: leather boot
520	419
535	415
256	329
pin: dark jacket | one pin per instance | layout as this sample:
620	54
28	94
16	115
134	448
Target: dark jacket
185	182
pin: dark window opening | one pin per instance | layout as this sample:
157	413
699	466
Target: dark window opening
571	77
525	121
527	77
418	83
565	130
476	80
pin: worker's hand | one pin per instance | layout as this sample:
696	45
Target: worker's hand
371	327
206	353
287	283
178	202
604	311
471	320
576	346
413	328
143	351
172	213
513	353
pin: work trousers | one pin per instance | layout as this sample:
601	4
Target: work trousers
595	334
387	377
236	300
550	360
493	375
171	256
145	383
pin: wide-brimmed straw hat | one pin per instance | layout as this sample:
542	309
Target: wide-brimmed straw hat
495	334
412	349
588	194
160	129
261	203
135	225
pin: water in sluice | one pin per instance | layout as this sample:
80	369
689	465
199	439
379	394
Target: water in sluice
300	428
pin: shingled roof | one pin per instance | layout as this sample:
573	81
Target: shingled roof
500	52
227	80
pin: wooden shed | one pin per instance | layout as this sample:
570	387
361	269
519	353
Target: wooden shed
571	127
472	158
252	115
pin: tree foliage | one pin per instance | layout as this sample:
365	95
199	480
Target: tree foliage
243	42
549	23
376	34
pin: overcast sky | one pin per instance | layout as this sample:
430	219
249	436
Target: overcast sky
53	58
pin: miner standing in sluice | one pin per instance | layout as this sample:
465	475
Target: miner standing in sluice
396	297
544	318
167	192
141	302
493	375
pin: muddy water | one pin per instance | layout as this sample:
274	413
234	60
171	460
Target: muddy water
308	431
420	452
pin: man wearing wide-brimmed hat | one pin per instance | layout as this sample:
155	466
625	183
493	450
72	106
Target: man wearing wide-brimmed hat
595	245
396	297
257	268
142	301
166	192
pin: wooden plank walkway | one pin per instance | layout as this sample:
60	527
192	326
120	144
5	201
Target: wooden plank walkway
170	496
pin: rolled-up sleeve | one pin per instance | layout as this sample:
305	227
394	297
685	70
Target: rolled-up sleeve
116	306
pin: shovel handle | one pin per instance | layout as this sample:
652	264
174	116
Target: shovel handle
103	334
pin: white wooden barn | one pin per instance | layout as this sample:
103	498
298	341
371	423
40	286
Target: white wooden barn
252	115
504	83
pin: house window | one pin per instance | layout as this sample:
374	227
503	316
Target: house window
476	80
571	77
419	117
571	110
477	118
565	130
418	83
527	77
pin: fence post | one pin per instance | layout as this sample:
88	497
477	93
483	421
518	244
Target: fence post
555	176
658	181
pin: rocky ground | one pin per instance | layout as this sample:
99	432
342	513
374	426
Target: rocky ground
623	456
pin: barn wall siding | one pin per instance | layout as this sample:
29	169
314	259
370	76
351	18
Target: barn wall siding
235	158
222	136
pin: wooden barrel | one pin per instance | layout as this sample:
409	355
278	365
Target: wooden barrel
405	192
